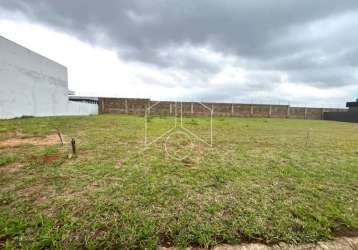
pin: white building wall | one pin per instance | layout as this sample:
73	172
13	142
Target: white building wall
32	85
81	108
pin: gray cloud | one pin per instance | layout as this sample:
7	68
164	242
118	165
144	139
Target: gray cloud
312	42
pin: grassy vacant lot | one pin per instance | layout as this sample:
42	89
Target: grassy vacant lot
264	180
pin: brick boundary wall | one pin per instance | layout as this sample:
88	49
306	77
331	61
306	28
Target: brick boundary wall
138	106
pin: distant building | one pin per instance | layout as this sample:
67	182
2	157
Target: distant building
350	116
85	99
353	106
32	85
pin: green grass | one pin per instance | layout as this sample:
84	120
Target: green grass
265	180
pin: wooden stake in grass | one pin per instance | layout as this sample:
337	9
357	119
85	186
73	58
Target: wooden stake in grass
73	144
308	136
60	136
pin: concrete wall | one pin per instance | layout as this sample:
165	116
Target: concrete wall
138	106
122	105
81	108
32	85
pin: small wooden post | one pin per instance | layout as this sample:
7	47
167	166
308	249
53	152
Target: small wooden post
60	136
170	109
252	110
73	144
308	136
192	108
232	109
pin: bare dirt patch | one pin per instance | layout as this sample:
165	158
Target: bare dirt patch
39	193
343	243
11	168
195	157
50	158
10	134
19	139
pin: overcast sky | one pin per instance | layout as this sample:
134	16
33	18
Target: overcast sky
302	51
